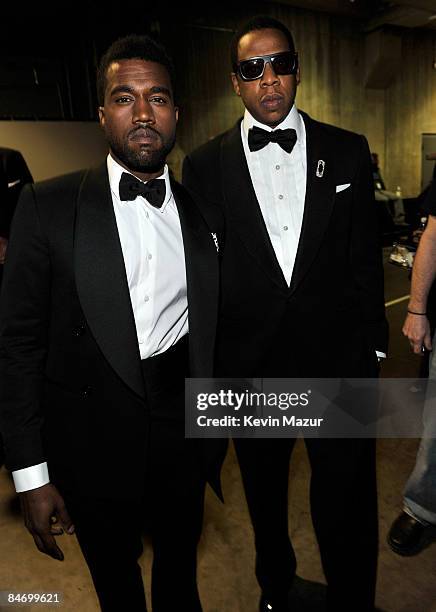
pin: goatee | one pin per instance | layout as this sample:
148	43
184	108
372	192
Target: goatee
144	160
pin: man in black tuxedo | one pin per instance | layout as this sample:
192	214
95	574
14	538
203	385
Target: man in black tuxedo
106	270
302	296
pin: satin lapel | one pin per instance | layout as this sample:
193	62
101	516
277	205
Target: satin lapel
243	211
320	195
101	279
202	276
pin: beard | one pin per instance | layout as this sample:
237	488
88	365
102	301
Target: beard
144	158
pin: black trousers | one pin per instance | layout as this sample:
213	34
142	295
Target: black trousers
344	513
170	507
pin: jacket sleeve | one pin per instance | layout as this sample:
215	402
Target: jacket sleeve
24	320
366	253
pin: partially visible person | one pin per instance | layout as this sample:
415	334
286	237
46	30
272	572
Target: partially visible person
392	200
14	174
175	162
420	203
415	528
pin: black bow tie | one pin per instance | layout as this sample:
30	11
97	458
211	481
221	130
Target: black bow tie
131	187
258	138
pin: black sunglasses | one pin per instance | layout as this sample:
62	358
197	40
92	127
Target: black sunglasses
253	68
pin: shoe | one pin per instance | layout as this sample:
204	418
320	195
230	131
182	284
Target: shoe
408	536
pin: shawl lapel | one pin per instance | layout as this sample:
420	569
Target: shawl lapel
101	279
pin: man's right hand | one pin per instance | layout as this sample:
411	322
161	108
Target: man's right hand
417	329
45	515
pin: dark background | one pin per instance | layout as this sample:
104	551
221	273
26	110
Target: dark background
367	65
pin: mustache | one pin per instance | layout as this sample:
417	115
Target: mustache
144	130
269	97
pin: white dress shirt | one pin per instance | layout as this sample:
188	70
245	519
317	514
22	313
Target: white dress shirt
157	278
154	258
279	181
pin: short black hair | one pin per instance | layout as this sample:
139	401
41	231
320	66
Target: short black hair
132	46
260	22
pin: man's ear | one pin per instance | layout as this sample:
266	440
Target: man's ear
176	110
298	76
101	115
235	84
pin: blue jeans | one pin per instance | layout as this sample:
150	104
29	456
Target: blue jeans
420	491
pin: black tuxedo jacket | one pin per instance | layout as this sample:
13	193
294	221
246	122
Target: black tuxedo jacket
330	320
72	390
14	174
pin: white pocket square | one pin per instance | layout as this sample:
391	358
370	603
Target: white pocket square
342	187
13	183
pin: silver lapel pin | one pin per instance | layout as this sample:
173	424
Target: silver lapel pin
215	239
320	168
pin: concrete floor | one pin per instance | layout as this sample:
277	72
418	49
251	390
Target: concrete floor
226	556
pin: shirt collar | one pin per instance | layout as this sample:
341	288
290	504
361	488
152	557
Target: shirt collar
115	171
292	120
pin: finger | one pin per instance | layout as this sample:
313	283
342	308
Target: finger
49	545
55	528
415	343
38	543
427	341
416	347
41	546
416	339
64	519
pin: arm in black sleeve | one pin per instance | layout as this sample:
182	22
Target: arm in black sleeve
366	253
24	320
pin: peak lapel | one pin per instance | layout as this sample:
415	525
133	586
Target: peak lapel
320	195
101	279
243	209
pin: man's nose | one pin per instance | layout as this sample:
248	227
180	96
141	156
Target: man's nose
142	111
269	76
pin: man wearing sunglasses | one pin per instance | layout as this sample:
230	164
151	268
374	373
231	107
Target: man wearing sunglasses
302	296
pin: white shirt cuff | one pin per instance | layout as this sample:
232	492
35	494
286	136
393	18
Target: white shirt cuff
380	355
31	477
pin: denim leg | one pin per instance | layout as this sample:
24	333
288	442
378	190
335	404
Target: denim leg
420	491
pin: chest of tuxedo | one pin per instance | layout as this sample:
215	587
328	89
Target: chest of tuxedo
262	319
251	278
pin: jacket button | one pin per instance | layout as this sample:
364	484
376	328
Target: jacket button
79	330
86	392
